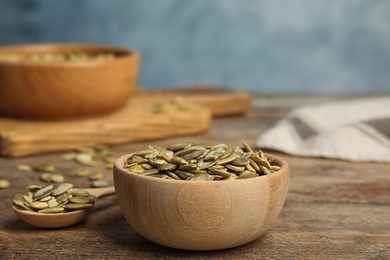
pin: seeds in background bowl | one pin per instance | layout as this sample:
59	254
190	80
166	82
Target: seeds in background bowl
72	56
200	162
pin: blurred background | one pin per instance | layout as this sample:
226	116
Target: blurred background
320	46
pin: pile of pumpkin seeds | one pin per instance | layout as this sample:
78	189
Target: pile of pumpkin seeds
54	198
71	56
201	162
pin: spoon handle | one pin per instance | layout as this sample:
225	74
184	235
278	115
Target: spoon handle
100	192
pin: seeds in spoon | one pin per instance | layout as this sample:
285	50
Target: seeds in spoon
54	198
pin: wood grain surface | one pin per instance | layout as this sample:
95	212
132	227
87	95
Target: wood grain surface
148	115
334	209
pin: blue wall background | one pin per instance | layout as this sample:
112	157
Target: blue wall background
252	45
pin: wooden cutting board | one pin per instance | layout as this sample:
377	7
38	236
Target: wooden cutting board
148	115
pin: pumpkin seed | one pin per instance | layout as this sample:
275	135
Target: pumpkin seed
62	188
73	206
44	168
52	202
168	167
52	210
201	177
178	160
247	174
172	175
178	146
4	184
83	172
28	198
151	171
46	177
80	199
85	159
24	168
39	205
96	176
100	184
34	188
69	156
45	191
57	178
80	193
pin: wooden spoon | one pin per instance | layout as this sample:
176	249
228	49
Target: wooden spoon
60	220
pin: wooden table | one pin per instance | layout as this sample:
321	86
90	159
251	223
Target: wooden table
334	209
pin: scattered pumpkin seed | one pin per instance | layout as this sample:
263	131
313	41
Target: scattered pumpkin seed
44	168
83	172
96	176
4	184
24	167
85	159
57	178
100	184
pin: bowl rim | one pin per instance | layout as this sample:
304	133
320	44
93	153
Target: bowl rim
284	169
126	53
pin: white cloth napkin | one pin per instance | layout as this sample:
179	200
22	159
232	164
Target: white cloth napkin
355	130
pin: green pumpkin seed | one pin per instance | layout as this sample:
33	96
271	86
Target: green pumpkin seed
178	146
96	176
24	167
83	172
247	175
28	198
172	175
168	167
57	178
240	161
80	193
4	184
201	177
52	210
85	159
69	156
183	174
151	171
62	188
44	168
52	202
222	172
178	160
80	199
75	206
100	184
188	167
45	191
39	204
34	188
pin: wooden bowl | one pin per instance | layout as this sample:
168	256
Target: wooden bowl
200	215
60	90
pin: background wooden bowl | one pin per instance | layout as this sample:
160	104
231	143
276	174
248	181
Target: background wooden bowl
201	215
66	89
